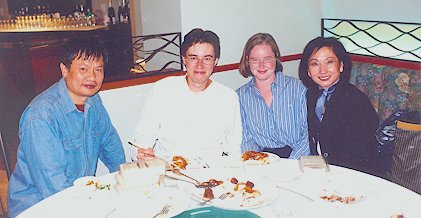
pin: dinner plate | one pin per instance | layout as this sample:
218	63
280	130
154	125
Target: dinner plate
208	212
237	200
93	187
86	182
149	202
270	159
338	190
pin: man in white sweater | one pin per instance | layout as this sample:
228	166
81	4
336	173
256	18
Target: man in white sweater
191	115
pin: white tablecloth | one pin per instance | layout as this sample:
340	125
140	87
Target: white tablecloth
299	196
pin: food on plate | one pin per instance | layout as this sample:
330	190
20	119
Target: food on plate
140	173
208	194
254	155
102	187
233	193
249	184
98	185
179	162
212	183
397	216
334	198
215	182
246	189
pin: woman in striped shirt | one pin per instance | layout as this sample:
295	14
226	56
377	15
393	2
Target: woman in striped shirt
273	106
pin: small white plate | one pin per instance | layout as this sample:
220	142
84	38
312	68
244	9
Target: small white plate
86	182
344	188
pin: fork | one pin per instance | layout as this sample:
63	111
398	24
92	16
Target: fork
164	210
221	197
201	185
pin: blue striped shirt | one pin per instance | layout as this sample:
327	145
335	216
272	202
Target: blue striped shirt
283	123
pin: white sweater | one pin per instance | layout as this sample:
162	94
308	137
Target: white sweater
186	123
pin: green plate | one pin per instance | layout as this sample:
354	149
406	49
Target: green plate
213	212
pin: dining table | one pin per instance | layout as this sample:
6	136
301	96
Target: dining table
285	189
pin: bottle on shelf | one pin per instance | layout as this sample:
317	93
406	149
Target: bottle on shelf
126	11
111	13
120	13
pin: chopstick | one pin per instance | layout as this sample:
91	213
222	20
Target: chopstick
134	145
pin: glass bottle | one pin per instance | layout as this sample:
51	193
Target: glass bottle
120	13
111	13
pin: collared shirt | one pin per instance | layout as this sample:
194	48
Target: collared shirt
58	144
282	123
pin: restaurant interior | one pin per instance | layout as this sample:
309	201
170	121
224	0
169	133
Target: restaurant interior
143	41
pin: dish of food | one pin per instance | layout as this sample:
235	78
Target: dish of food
259	158
242	193
188	162
179	162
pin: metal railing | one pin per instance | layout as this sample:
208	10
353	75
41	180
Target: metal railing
157	53
395	40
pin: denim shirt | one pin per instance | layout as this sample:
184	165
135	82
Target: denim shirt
58	144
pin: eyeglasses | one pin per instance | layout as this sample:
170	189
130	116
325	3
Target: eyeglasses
328	63
206	60
265	60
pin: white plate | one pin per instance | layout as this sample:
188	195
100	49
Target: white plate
236	202
149	202
86	181
271	159
343	187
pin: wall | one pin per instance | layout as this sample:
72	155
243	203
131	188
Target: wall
158	16
247	17
382	10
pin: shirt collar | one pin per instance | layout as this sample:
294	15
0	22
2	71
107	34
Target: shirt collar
278	82
67	102
331	88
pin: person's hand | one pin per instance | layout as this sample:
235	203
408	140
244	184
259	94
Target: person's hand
147	153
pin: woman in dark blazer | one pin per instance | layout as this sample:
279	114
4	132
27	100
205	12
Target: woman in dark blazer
343	123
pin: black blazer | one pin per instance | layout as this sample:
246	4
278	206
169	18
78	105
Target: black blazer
347	132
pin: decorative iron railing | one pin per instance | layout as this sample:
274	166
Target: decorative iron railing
157	53
395	40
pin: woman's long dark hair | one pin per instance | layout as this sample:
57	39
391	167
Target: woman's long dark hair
312	47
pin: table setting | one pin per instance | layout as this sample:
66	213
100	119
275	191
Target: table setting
198	186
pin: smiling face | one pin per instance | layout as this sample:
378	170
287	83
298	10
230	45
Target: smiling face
199	61
83	78
262	63
324	67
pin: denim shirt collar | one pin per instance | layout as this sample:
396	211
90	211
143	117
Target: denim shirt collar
67	102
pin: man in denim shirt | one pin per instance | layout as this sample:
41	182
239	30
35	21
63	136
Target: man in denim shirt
64	130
